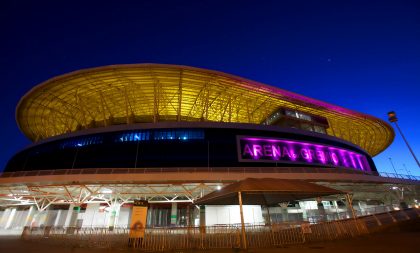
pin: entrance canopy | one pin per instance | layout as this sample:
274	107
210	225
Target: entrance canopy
266	191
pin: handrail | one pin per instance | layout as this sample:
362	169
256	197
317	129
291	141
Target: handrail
400	176
203	170
178	170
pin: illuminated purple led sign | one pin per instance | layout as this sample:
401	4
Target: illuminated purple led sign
257	149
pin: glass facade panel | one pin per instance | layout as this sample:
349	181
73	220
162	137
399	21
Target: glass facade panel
291	113
319	129
183	147
306	126
304	116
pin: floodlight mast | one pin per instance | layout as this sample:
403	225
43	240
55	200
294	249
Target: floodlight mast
392	117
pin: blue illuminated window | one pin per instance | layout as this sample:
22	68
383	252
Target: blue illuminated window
166	134
80	142
132	136
179	135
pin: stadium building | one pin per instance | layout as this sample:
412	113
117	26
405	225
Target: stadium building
104	137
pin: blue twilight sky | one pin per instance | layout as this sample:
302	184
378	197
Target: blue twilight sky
362	55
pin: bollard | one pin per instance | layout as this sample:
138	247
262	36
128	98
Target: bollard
26	233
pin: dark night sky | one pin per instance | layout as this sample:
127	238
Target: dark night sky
362	55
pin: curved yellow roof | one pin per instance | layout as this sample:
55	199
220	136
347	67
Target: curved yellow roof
121	94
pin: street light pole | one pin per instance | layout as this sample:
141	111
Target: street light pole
392	117
408	172
390	160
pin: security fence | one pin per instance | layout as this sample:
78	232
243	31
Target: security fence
217	237
79	237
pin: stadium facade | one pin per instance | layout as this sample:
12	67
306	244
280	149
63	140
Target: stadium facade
104	137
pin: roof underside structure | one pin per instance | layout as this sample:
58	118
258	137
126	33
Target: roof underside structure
55	193
138	93
58	194
266	191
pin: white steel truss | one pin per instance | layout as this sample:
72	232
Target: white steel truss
42	196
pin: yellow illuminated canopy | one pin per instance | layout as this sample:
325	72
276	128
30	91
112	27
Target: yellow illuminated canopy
128	94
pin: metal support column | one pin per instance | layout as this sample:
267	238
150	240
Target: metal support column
244	244
321	209
349	199
174	211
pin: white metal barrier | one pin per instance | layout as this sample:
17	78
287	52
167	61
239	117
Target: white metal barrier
216	237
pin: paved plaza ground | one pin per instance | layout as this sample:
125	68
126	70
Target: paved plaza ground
398	239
